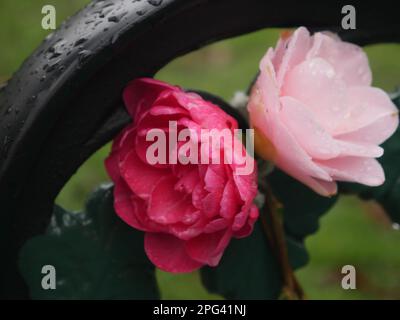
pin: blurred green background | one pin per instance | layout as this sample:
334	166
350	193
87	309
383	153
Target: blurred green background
353	232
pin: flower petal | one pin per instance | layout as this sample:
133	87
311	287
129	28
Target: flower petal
166	205
208	248
297	47
315	84
292	155
314	139
362	170
349	60
367	105
141	93
168	253
140	177
375	133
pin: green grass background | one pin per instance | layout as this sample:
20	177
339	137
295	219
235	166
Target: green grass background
351	233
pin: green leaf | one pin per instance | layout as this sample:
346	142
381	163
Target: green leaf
302	207
95	254
388	194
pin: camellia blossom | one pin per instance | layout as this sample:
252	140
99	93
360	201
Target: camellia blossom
189	213
316	115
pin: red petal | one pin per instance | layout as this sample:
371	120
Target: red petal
168	253
141	93
208	248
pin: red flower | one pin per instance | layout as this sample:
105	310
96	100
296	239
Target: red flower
188	211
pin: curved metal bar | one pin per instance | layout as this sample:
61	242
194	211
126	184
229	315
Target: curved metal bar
65	101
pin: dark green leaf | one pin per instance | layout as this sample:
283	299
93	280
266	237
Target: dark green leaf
302	207
95	254
298	255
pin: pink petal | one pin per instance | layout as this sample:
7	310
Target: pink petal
292	155
216	225
268	89
264	99
367	105
375	133
211	204
313	138
112	166
166	205
128	207
297	48
349	60
126	142
362	170
315	84
168	253
322	187
240	219
318	143
186	232
215	178
140	94
205	113
247	229
198	194
188	182
208	248
165	110
359	149
140	177
230	201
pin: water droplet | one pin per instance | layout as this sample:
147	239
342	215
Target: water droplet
84	55
53	65
115	38
80	41
49	36
113	19
6	140
32	99
108	4
154	2
117	18
105	12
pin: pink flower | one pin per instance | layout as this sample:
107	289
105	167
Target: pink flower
316	115
188	212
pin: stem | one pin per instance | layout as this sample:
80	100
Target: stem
273	229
